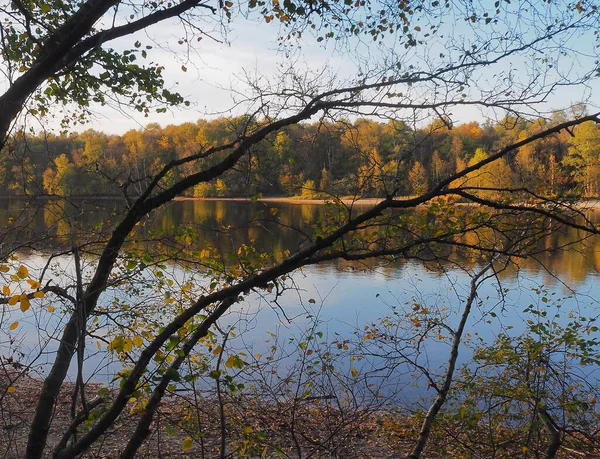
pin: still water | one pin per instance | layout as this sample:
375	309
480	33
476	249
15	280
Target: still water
342	298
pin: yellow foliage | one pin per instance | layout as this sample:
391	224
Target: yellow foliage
187	444
23	272
127	345
24	303
34	284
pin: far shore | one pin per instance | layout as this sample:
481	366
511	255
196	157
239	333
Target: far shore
583	204
291	200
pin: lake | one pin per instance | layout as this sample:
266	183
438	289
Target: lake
343	298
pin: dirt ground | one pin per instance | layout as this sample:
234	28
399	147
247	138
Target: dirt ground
253	430
344	441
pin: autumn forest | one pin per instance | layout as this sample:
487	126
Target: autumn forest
360	158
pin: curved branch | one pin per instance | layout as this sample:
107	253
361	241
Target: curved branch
121	31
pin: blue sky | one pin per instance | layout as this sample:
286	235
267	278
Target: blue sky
251	47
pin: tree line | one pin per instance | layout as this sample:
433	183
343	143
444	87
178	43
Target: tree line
312	160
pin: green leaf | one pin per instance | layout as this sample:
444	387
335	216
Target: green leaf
170	430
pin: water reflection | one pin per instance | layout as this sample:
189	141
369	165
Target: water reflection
225	225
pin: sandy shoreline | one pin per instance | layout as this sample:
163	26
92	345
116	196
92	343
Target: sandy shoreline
286	200
584	204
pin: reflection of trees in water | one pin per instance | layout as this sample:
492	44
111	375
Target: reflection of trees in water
270	227
575	261
49	224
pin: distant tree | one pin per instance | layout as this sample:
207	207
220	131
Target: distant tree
583	159
418	178
60	180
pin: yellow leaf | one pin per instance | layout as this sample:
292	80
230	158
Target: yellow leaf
33	284
230	361
354	372
5	290
186	287
14	300
4	269
39	294
14	277
23	272
115	342
127	345
24	303
138	341
248	429
14	325
50	308
11	389
187	444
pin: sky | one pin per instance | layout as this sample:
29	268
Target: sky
215	68
251	47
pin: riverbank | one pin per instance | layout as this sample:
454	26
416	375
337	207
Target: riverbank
591	204
290	200
586	204
320	431
305	428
